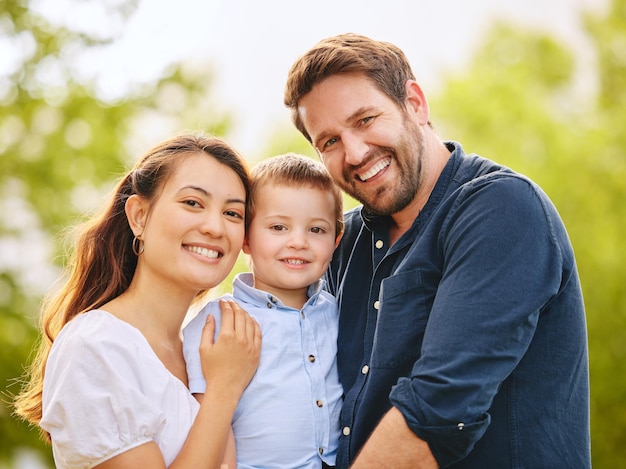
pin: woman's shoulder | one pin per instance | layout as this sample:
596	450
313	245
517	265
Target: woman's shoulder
96	326
97	337
104	389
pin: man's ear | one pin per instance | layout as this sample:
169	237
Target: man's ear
136	209
416	102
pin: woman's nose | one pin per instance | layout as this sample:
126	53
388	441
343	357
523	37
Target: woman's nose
213	224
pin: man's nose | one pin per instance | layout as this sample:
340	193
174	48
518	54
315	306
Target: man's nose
355	148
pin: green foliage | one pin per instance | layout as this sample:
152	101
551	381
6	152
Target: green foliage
61	146
518	104
18	339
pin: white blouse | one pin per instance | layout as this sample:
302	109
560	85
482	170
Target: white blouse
105	392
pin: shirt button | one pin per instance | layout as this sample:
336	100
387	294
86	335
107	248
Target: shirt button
365	369
270	305
346	431
302	314
312	358
320	450
319	403
379	244
460	425
376	305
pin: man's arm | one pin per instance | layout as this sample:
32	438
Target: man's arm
393	444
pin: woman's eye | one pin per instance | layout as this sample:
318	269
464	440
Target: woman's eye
193	203
233	213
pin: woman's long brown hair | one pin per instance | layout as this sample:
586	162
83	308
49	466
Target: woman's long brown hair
102	264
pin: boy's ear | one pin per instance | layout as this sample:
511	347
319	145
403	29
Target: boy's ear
339	236
136	209
246	246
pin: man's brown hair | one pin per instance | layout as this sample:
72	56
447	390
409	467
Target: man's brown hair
382	62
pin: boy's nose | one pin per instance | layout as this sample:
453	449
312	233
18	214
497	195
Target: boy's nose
297	239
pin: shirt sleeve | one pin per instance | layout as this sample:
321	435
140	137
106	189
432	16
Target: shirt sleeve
94	405
501	266
192	335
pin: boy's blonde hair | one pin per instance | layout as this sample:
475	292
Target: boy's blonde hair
293	170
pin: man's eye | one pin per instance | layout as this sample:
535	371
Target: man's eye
365	120
330	142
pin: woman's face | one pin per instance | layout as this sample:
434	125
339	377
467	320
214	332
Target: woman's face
195	229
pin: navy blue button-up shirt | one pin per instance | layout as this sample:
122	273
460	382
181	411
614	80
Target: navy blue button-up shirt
472	324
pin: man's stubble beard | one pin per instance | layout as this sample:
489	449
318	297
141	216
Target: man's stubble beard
397	195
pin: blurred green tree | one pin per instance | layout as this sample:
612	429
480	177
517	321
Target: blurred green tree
519	103
61	146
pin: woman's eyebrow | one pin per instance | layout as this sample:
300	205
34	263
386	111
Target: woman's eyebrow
208	194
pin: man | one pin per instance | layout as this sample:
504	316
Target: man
462	334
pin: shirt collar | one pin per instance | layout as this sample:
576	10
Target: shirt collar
244	290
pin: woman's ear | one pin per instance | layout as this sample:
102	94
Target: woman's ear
246	246
136	209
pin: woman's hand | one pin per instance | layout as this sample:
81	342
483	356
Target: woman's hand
229	362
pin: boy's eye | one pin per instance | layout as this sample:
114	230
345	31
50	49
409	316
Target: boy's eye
317	229
278	227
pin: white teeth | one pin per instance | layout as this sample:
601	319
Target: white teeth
375	169
295	261
204	252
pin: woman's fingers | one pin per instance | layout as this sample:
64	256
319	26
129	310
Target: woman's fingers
238	345
243	325
207	340
227	315
208	331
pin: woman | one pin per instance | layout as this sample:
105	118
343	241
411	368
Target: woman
109	385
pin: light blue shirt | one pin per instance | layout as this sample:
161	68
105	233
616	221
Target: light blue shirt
288	416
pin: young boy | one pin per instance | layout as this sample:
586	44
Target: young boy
288	416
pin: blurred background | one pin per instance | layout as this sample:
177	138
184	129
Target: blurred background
87	86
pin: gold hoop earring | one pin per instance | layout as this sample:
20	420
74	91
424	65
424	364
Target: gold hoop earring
137	246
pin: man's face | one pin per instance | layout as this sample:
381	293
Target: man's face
372	148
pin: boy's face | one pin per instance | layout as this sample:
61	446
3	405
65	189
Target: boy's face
291	238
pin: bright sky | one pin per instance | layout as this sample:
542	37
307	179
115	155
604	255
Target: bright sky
253	43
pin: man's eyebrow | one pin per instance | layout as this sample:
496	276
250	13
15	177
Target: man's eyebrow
352	117
360	111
